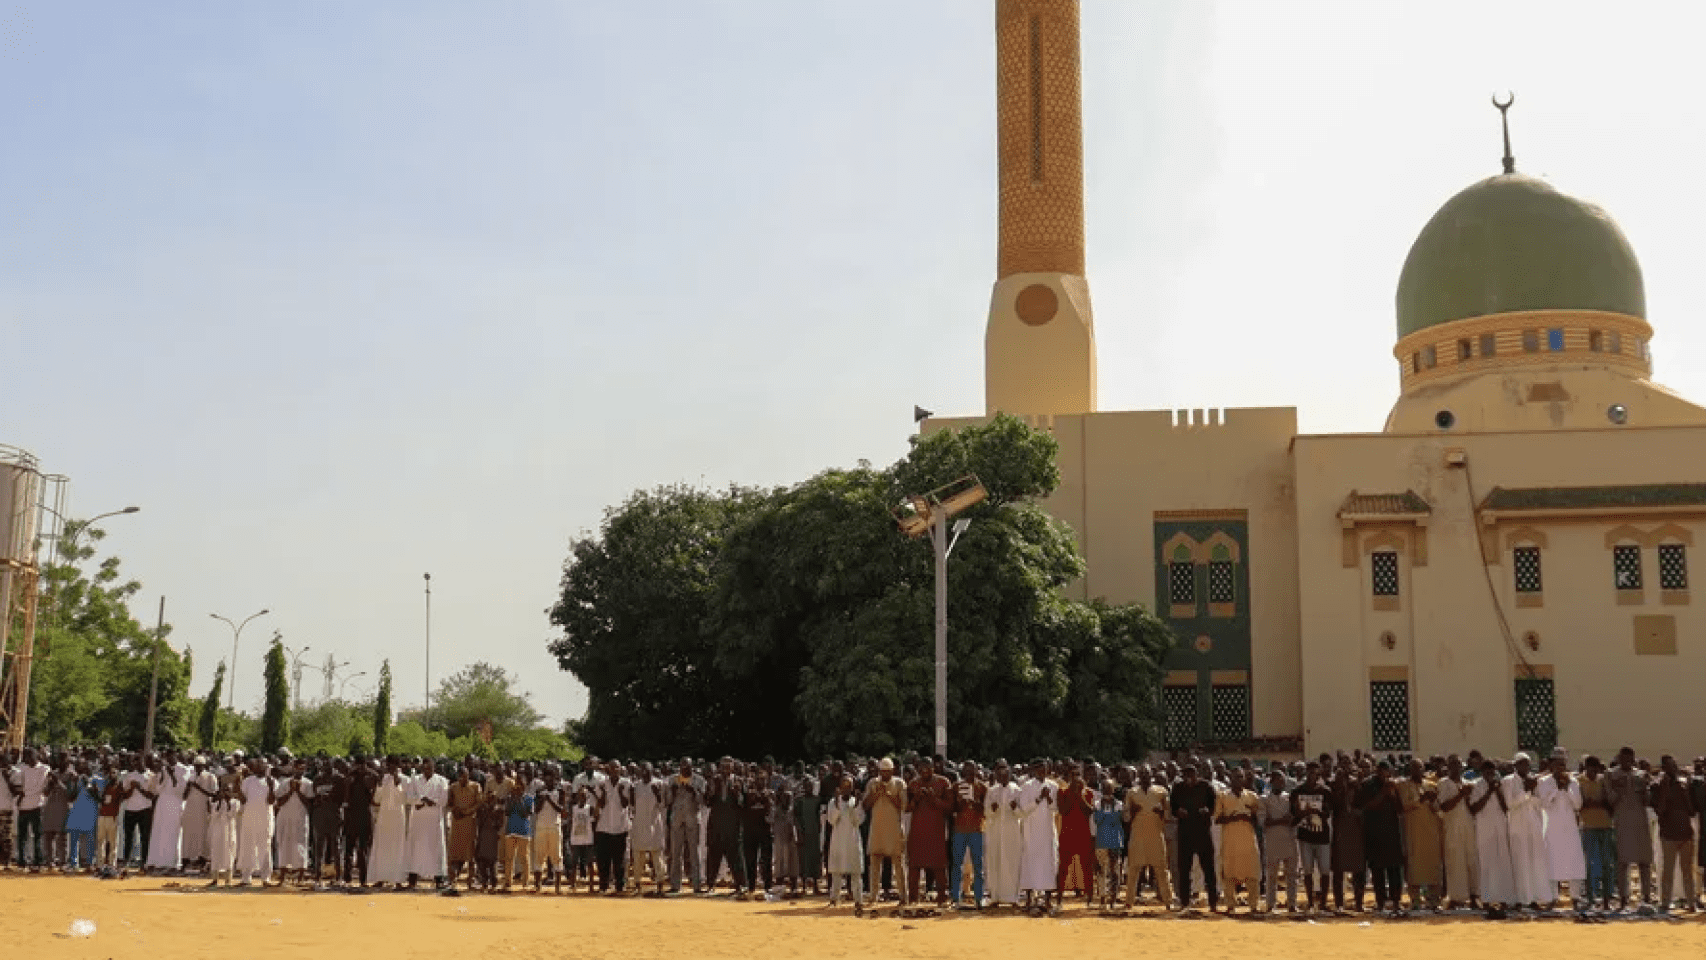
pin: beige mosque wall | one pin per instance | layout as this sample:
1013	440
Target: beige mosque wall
1120	469
1625	665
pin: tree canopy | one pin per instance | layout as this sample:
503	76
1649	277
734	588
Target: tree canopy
93	661
799	620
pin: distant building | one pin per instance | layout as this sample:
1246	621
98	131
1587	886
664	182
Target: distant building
1505	566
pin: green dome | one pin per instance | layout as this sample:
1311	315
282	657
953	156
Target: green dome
1512	242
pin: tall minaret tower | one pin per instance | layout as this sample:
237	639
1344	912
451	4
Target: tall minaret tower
1040	349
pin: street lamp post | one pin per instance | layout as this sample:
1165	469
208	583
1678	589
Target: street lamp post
236	632
346	682
428	713
296	674
929	514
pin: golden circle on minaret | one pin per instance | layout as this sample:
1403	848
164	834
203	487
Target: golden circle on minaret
1036	305
1040	138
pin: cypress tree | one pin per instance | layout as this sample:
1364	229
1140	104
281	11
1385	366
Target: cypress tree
207	726
382	710
275	716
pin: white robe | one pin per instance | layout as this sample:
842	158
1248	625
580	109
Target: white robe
1563	830
254	830
846	851
222	835
1003	843
1041	861
388	862
196	817
168	818
426	825
1531	867
1492	846
291	823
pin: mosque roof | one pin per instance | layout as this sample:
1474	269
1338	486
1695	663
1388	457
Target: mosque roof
1406	504
1514	242
1587	498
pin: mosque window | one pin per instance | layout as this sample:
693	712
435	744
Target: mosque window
1415	363
1231	705
1465	349
1673	566
1646	350
1626	566
1525	565
1389	714
1596	341
1555	340
1222	582
1614	343
1384	564
1536	714
1489	345
1179	708
1182	578
1430	356
1531	341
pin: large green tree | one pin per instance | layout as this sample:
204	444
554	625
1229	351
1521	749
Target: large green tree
382	709
93	663
481	699
800	620
207	723
275	712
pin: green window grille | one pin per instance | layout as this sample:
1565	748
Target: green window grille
1525	565
1182	583
1389	711
1222	584
1385	567
1626	566
1673	566
1179	705
1536	715
1231	720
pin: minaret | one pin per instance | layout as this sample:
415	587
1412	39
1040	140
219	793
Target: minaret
1040	349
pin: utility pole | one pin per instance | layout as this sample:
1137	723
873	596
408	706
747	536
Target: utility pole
428	711
154	685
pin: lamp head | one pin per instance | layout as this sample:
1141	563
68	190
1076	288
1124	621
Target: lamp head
131	510
961	524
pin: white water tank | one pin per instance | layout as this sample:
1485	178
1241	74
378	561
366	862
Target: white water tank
20	505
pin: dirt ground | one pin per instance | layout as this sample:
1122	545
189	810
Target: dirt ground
148	919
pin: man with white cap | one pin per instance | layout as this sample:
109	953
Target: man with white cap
885	801
202	787
1531	866
1561	801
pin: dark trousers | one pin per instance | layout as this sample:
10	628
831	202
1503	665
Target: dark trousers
758	847
1200	846
720	845
29	826
328	836
1388	884
358	836
138	822
612	852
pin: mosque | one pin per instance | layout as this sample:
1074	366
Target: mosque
1505	566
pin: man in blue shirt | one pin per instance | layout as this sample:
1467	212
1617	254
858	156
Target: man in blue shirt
518	838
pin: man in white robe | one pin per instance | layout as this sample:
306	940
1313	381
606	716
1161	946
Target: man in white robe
1561	801
223	818
164	836
254	829
1041	861
199	792
1003	837
1492	837
1531	866
427	795
290	796
388	862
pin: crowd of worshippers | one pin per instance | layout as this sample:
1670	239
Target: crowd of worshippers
1432	835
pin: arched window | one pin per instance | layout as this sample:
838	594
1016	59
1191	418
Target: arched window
1182	577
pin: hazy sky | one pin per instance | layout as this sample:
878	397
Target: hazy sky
344	293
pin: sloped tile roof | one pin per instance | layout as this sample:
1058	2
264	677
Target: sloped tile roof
1406	504
1589	498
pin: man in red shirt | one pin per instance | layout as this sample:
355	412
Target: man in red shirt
969	797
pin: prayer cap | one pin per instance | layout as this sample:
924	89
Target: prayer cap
1522	756
885	764
199	759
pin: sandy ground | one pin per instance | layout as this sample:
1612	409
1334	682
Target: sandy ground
147	918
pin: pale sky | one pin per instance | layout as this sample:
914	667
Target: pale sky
344	293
